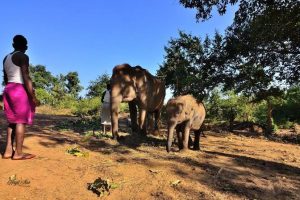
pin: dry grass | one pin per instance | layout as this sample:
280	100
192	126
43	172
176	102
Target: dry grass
49	110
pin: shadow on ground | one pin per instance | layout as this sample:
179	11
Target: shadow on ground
243	176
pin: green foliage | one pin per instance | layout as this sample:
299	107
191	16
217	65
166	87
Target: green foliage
260	113
191	66
88	107
72	84
204	8
229	107
213	108
44	96
55	91
288	111
102	187
66	101
76	151
97	87
124	108
42	78
84	125
260	53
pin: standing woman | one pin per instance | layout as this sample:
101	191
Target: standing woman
18	98
105	111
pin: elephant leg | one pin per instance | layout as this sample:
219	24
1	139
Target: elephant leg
114	120
171	128
202	133
142	125
149	121
156	122
190	143
197	140
133	115
186	135
179	136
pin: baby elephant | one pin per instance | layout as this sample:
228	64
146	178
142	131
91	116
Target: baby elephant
184	114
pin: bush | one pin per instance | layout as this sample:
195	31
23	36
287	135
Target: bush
88	107
260	113
44	97
67	102
124	108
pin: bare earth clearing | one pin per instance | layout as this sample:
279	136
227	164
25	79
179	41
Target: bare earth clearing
227	167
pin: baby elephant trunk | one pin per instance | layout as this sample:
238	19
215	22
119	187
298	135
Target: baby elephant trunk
171	127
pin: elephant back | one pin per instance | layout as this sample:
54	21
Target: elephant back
138	83
199	116
150	90
188	109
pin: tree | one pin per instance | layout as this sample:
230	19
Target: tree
73	84
59	89
97	87
267	30
204	8
41	78
262	48
191	66
43	82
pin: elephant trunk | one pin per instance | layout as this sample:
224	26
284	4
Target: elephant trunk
171	128
114	118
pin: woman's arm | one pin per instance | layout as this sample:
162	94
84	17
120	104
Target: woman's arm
4	73
24	64
103	94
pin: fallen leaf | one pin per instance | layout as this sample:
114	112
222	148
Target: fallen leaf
154	171
176	182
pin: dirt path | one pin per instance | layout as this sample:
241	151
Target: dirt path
228	167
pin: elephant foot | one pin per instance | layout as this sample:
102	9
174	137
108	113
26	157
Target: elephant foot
120	138
196	149
134	130
143	133
168	149
115	137
155	133
183	150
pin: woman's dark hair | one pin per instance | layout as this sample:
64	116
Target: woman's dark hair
19	42
108	85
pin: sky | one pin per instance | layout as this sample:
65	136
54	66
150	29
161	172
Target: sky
93	36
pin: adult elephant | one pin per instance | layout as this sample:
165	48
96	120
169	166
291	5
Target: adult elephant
141	89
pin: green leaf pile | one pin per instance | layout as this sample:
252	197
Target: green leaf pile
102	187
76	151
12	180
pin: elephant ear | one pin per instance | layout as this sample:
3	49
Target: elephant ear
139	78
180	107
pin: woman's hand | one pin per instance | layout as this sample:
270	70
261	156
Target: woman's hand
36	101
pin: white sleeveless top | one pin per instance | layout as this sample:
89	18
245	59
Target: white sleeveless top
106	98
13	72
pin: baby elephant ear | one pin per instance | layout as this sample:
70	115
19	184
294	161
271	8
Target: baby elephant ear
180	107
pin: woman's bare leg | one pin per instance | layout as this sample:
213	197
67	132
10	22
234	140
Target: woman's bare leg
19	155
9	141
20	131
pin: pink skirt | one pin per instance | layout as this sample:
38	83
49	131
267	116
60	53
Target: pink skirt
18	107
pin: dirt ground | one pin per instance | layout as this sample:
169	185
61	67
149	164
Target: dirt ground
228	167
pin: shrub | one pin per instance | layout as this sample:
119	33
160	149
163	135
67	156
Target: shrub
88	107
124	108
44	97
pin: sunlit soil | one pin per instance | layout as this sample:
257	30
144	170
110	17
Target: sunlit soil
227	167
